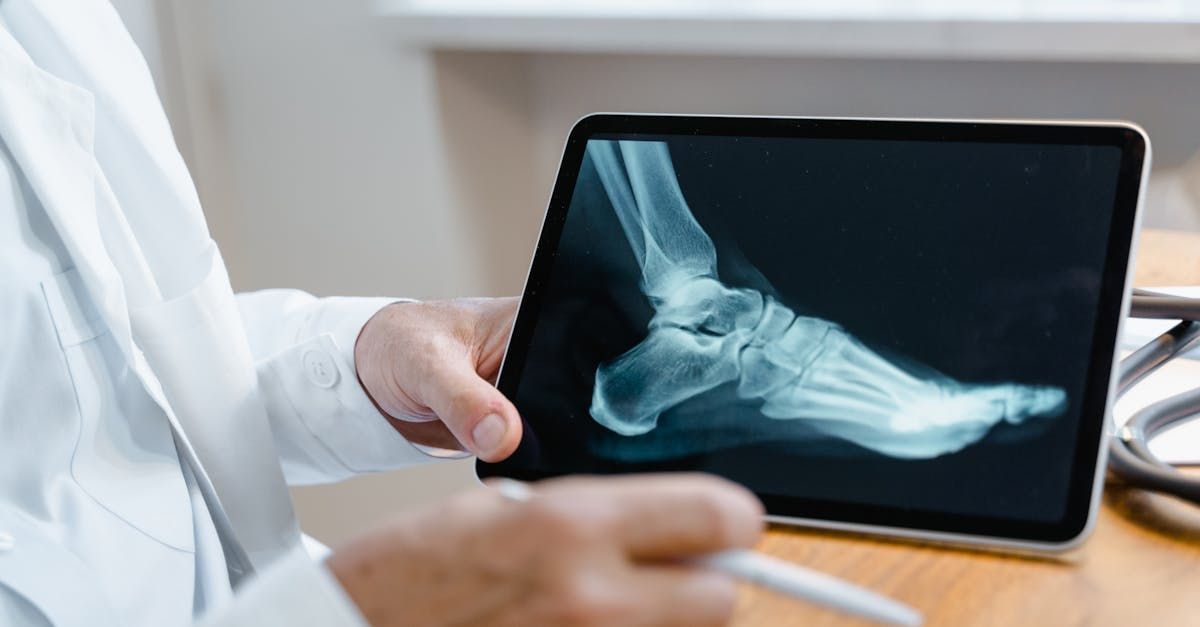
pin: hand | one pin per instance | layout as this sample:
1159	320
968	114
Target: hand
582	551
439	359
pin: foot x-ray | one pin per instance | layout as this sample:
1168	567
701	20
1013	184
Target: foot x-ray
705	333
876	322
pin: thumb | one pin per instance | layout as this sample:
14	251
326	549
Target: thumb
478	415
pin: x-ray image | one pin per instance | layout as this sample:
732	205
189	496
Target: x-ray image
853	321
705	333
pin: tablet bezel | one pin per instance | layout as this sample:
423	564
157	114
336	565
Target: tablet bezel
1087	467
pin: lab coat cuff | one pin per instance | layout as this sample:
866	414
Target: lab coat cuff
342	433
293	591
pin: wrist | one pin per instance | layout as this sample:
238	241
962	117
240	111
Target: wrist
359	324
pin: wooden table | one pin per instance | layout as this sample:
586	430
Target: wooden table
1141	566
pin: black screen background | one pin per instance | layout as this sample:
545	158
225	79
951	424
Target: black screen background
982	261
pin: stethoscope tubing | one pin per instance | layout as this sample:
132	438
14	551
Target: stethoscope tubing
1147	304
1130	458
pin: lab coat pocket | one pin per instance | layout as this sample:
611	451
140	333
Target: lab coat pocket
124	457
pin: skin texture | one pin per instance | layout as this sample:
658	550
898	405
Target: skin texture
582	551
439	359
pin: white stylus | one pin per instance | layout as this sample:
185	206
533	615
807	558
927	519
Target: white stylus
781	576
810	585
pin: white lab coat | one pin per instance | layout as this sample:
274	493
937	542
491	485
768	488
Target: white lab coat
121	321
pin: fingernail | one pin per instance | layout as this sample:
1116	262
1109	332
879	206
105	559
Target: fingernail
489	433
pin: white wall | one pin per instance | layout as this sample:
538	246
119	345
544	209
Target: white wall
565	87
334	160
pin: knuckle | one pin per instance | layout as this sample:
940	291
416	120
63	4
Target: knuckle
716	520
437	346
724	602
730	518
461	400
556	521
584	601
711	600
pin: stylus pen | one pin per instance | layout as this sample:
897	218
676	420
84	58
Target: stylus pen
781	576
809	585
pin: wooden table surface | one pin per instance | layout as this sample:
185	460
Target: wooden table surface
1141	566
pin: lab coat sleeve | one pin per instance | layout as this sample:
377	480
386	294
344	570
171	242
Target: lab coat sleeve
325	426
293	591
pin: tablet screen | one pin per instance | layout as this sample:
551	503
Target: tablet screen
869	329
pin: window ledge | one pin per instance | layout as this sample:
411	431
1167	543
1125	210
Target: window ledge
1068	30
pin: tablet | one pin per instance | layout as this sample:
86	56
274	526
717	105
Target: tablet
895	326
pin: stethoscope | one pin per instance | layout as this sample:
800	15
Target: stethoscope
1130	458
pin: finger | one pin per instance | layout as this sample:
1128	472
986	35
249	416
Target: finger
472	409
670	595
429	433
670	516
492	331
432	433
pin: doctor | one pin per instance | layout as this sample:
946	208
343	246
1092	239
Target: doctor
151	419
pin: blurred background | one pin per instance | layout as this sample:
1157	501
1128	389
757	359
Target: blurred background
407	147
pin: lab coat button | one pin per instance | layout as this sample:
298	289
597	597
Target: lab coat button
320	368
7	541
